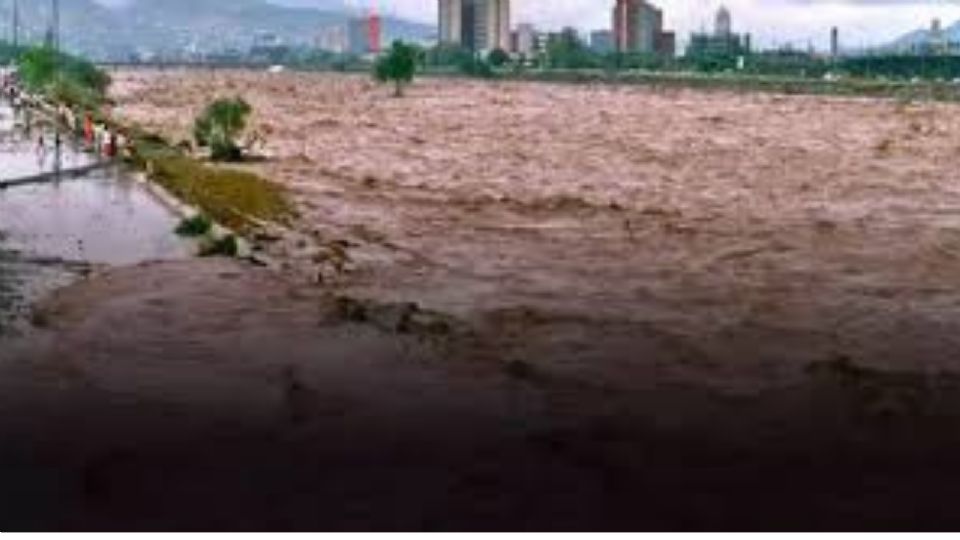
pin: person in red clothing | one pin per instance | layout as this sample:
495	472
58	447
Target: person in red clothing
112	144
88	129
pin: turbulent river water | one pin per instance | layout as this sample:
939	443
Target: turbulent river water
55	231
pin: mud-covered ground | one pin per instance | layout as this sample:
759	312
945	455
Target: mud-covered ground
208	395
634	310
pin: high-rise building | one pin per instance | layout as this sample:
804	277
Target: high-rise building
526	39
834	42
667	43
333	39
357	36
638	28
601	41
723	40
478	25
449	24
938	38
374	33
363	34
723	24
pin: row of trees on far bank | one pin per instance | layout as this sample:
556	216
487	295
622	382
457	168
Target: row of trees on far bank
567	52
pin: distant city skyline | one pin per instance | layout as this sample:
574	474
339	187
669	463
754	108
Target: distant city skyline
771	22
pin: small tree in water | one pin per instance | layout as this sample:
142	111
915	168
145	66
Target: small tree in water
219	127
399	66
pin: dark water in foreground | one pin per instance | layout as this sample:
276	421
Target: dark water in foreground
55	232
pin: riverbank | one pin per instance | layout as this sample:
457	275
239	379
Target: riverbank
877	87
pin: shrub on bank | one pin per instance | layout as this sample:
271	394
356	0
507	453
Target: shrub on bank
219	127
228	246
198	225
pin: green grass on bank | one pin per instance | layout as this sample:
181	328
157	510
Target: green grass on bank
236	199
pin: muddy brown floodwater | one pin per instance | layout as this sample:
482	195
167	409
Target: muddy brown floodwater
732	238
511	306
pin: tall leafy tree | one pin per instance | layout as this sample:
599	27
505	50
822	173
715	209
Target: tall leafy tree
398	66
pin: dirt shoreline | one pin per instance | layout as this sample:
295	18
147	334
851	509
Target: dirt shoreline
502	309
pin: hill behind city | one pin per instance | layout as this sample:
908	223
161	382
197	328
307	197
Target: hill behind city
173	26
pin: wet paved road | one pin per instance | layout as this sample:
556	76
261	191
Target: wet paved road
54	233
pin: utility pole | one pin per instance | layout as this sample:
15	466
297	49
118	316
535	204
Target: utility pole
16	24
56	26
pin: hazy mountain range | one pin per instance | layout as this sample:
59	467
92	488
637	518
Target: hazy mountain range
115	28
924	37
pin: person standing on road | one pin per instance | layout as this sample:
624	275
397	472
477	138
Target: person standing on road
112	145
57	151
41	152
88	129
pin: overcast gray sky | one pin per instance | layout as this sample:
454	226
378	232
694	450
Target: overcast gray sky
772	22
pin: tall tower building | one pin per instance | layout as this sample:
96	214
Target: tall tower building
451	16
938	38
478	25
637	26
723	26
374	33
526	39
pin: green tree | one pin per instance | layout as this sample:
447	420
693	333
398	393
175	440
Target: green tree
498	57
447	54
67	78
567	51
398	66
219	127
475	66
37	68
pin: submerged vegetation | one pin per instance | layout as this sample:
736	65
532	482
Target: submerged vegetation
195	226
220	126
398	66
228	246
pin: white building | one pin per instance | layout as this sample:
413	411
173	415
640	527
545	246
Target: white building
333	39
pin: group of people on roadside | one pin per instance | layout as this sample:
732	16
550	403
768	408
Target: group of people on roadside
97	136
9	87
